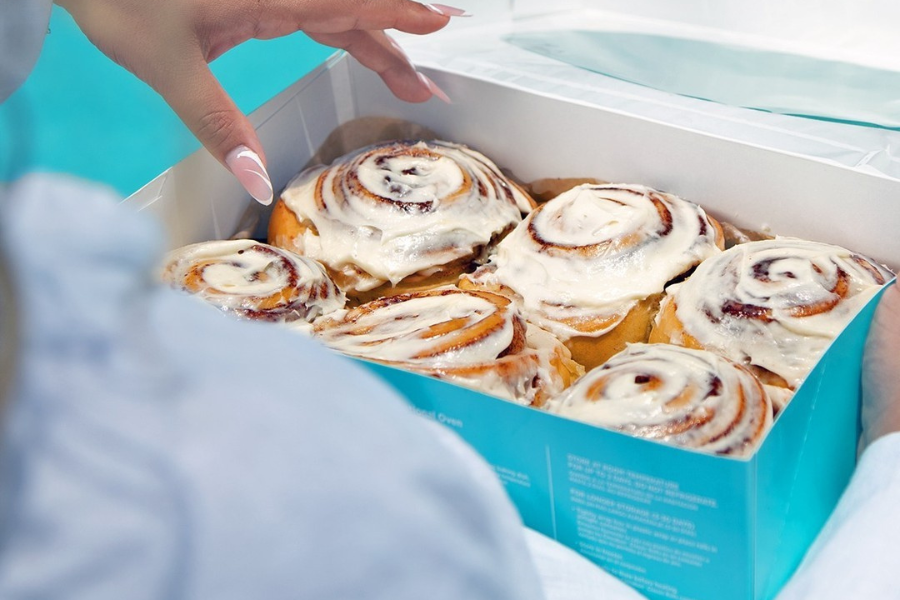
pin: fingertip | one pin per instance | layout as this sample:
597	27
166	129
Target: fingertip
407	84
434	89
416	95
419	18
415	89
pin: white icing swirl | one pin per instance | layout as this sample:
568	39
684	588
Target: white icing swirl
398	209
253	280
594	251
776	304
477	339
689	398
446	328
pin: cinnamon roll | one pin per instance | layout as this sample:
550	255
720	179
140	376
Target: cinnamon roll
774	305
684	397
253	280
590	265
476	339
398	216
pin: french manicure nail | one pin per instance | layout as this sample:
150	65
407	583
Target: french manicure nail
248	168
447	11
433	87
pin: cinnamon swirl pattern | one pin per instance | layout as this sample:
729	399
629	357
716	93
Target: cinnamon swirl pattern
476	339
419	213
254	280
591	264
689	398
774	305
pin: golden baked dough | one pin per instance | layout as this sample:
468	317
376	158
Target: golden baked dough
253	280
475	339
772	305
680	396
591	265
398	216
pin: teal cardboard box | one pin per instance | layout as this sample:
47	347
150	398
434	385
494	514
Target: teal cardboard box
673	523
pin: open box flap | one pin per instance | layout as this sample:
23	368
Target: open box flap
862	32
721	71
494	51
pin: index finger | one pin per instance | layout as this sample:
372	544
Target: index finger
335	16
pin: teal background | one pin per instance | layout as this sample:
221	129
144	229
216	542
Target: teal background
80	113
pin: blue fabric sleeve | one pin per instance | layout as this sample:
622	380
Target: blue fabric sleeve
155	448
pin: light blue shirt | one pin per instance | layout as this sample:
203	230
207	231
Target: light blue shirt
155	448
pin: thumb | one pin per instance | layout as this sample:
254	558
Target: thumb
196	96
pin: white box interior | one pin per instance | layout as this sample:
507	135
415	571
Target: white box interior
537	136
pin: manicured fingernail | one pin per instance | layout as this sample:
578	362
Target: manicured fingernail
448	11
433	87
246	165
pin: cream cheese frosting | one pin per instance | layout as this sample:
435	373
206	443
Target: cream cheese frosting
476	339
405	328
254	280
690	398
776	304
594	251
397	209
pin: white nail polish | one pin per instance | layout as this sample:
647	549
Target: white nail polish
247	167
448	11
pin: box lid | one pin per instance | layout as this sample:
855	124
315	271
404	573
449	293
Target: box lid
789	58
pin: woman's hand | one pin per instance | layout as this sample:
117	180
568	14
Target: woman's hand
881	370
169	43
